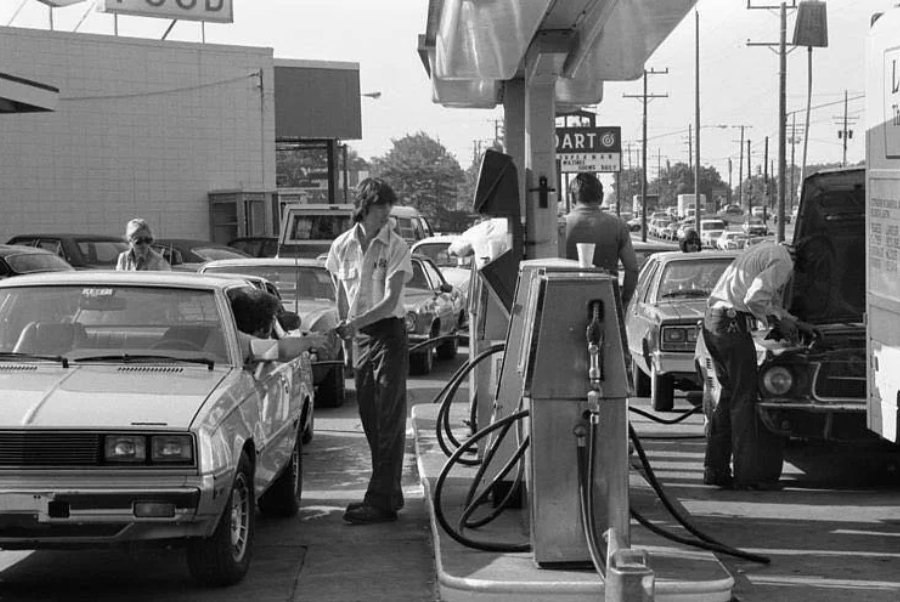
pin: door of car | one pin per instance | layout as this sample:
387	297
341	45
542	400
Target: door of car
641	316
443	299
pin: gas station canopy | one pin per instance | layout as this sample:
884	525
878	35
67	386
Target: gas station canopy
18	95
471	47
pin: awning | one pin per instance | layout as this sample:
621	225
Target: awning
18	95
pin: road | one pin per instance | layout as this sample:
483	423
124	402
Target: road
317	557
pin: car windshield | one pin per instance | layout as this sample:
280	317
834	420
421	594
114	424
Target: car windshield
84	321
438	253
319	227
300	282
101	252
29	263
691	277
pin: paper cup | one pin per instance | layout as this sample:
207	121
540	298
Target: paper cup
585	254
496	249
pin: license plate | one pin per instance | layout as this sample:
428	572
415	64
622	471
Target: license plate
25	503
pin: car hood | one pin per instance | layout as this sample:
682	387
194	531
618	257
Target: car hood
681	309
832	204
103	396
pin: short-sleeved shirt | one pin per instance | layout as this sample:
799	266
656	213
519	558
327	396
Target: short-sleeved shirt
610	235
364	276
129	262
756	282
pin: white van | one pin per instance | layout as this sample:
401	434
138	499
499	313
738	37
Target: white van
307	230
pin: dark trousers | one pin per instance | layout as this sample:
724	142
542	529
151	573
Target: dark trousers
734	430
380	376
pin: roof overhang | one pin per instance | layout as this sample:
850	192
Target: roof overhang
479	45
18	95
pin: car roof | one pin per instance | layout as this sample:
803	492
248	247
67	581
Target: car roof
82	235
404	211
440	238
117	278
189	242
703	255
6	250
263	261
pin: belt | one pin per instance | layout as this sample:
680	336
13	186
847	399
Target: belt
743	318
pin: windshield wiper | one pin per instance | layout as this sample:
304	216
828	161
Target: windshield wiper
688	292
145	358
16	356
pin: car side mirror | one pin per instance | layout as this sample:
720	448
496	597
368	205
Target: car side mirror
263	350
446	288
289	320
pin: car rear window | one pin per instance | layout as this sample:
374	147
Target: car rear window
29	263
319	227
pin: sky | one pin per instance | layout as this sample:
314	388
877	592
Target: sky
738	83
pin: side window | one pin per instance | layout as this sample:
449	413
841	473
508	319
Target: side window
433	275
52	245
419	280
647	281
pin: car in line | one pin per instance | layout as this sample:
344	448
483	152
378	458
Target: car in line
129	416
256	246
661	321
81	251
732	240
755	226
456	270
305	288
187	254
18	260
434	310
815	389
710	230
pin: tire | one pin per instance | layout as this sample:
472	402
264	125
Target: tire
447	350
422	363
333	390
310	426
224	557
283	497
662	392
640	382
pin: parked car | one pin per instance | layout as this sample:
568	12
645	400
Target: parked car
731	240
754	226
410	224
434	309
17	260
817	389
661	321
456	270
81	251
256	246
305	288
129	416
188	254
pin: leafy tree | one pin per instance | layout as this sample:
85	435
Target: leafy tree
679	179
422	172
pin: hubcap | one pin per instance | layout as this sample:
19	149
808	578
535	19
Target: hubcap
240	517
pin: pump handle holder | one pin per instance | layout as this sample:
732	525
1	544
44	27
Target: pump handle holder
595	342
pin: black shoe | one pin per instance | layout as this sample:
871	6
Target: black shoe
364	514
721	480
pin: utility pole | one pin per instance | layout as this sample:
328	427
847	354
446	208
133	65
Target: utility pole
844	133
782	104
793	157
659	172
740	187
766	178
697	119
749	182
645	98
730	185
690	143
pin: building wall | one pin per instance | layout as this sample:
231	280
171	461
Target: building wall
143	128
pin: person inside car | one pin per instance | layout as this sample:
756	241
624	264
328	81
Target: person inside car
691	242
140	257
256	316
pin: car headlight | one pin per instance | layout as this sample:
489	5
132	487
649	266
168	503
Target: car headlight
128	449
172	449
777	380
411	321
678	338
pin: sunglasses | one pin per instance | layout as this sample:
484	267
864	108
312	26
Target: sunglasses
143	240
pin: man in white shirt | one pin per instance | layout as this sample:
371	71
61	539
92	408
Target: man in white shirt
370	264
752	288
486	240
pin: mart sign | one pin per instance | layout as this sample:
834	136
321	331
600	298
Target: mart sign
594	149
219	11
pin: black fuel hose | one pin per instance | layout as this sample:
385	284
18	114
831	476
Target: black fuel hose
446	396
584	434
706	542
456	533
432	342
676	420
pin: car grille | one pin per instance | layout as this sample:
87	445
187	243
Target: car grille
842	376
51	449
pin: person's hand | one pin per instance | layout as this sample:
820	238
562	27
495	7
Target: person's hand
808	329
346	329
788	329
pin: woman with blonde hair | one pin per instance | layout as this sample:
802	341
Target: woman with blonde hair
140	257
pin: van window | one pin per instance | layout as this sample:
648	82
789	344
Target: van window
319	227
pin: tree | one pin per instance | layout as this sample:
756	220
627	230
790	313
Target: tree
679	179
422	173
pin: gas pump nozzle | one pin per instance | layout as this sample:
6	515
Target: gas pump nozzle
595	345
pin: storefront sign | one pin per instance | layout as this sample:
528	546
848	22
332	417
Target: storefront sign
219	11
596	149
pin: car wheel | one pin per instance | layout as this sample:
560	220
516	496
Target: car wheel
422	362
662	392
310	425
224	557
283	497
447	350
640	382
333	390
